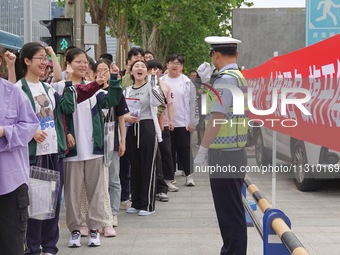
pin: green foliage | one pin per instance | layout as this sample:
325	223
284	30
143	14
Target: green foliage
182	26
168	26
61	3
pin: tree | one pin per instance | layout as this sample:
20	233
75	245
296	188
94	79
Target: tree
99	14
178	26
163	26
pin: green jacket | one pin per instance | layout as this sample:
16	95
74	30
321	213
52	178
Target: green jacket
64	105
104	101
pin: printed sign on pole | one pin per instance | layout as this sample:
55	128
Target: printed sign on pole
322	20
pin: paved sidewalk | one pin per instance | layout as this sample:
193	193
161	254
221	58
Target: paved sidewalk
186	225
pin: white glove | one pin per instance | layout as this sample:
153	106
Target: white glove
201	158
204	71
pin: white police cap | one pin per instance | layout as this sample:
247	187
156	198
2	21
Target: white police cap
222	43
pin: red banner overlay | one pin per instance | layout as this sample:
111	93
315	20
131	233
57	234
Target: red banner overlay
315	68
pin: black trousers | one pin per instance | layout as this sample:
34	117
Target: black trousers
161	186
181	150
165	150
227	194
143	164
124	176
13	221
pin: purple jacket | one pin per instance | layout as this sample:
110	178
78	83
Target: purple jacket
19	123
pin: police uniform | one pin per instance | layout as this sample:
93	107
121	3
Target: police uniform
227	150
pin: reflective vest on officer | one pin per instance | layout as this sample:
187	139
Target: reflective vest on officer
232	134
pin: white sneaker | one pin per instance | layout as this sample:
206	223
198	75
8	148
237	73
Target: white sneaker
115	221
189	181
171	186
145	213
46	253
162	197
94	238
74	241
132	210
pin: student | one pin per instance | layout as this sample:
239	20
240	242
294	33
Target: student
142	140
134	54
18	124
64	59
185	119
90	72
84	162
111	174
165	172
48	146
107	56
148	55
117	115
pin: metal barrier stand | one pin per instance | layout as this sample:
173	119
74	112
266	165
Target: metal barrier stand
278	239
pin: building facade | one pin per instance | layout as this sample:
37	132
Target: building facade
21	17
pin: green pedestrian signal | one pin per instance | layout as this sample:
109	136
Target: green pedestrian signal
63	44
61	31
63	34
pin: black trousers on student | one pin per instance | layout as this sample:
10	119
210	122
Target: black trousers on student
165	150
161	186
141	149
13	220
124	176
227	194
180	147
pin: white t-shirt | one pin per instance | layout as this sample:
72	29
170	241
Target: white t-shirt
44	106
82	120
178	89
142	93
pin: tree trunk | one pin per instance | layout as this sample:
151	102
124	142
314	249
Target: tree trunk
99	13
101	47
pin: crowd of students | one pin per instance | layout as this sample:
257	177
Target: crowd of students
153	117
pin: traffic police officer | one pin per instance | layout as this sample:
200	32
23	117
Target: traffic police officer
224	143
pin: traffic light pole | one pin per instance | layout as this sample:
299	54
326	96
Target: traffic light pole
75	9
28	21
79	23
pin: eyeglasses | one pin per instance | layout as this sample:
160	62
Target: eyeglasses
42	59
81	62
175	63
211	53
102	70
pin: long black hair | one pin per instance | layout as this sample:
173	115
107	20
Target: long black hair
27	51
